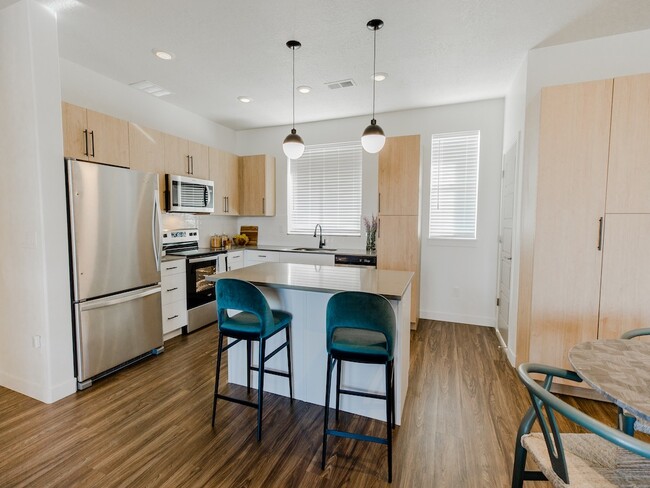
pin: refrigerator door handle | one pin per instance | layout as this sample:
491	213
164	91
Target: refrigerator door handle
121	298
155	229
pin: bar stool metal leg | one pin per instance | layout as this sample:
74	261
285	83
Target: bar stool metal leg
260	389
288	335
327	406
216	379
248	365
339	367
389	420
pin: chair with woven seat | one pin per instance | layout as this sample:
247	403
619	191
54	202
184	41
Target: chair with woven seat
255	322
626	422
604	457
360	328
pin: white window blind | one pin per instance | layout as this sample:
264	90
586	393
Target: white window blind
454	185
324	187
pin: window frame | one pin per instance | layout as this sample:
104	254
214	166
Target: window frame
354	224
456	239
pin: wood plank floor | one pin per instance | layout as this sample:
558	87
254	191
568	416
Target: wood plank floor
149	425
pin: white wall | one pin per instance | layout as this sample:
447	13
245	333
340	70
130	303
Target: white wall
595	59
34	281
458	282
89	89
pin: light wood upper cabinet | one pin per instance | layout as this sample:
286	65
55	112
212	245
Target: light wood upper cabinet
147	153
224	171
199	159
257	185
146	149
398	248
186	158
399	176
93	136
572	181
629	156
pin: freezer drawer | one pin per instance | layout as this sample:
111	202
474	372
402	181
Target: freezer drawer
116	329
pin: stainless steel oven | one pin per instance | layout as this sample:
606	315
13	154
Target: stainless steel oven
199	290
201	262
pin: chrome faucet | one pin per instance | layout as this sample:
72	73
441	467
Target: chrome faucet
321	241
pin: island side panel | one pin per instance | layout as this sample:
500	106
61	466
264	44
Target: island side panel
309	356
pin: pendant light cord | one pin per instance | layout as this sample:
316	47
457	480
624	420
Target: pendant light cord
374	71
293	88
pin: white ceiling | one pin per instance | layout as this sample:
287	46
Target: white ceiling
435	51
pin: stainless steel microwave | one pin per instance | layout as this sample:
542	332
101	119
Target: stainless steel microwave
189	195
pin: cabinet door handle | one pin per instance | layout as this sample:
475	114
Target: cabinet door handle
192	159
189	170
92	139
379	204
86	142
172	289
378	228
600	234
224	205
173	267
263	205
228	204
172	317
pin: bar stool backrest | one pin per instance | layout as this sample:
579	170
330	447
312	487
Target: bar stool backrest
361	310
241	295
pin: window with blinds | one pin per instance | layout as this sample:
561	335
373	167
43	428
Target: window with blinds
324	187
454	185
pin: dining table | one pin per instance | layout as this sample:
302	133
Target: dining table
619	369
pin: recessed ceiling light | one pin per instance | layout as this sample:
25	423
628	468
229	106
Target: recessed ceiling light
163	54
243	99
304	89
379	76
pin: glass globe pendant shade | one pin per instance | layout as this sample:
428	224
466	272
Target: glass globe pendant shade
293	146
373	138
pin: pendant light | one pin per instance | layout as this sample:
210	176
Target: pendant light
373	137
293	145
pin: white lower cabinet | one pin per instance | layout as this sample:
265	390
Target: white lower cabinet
252	257
174	298
235	260
307	258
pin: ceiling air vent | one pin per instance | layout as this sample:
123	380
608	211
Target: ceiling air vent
335	85
150	88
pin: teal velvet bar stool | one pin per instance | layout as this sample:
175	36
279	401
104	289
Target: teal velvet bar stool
255	322
360	329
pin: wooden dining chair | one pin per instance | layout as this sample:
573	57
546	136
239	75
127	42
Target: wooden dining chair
604	456
626	422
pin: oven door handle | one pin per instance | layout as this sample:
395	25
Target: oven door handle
203	260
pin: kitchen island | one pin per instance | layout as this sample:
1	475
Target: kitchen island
304	291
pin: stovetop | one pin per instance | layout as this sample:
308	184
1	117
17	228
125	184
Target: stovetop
192	253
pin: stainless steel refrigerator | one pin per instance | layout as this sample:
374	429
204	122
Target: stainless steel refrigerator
115	249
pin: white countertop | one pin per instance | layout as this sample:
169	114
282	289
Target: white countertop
328	279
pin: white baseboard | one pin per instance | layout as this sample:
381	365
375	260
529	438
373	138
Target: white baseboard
458	318
511	356
38	391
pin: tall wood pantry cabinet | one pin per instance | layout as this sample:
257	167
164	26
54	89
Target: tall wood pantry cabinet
586	273
398	233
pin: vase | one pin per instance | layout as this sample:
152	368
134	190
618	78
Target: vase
370	241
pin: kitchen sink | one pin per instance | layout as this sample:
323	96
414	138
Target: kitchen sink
313	249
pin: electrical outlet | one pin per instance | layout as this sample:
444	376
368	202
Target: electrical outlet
36	342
